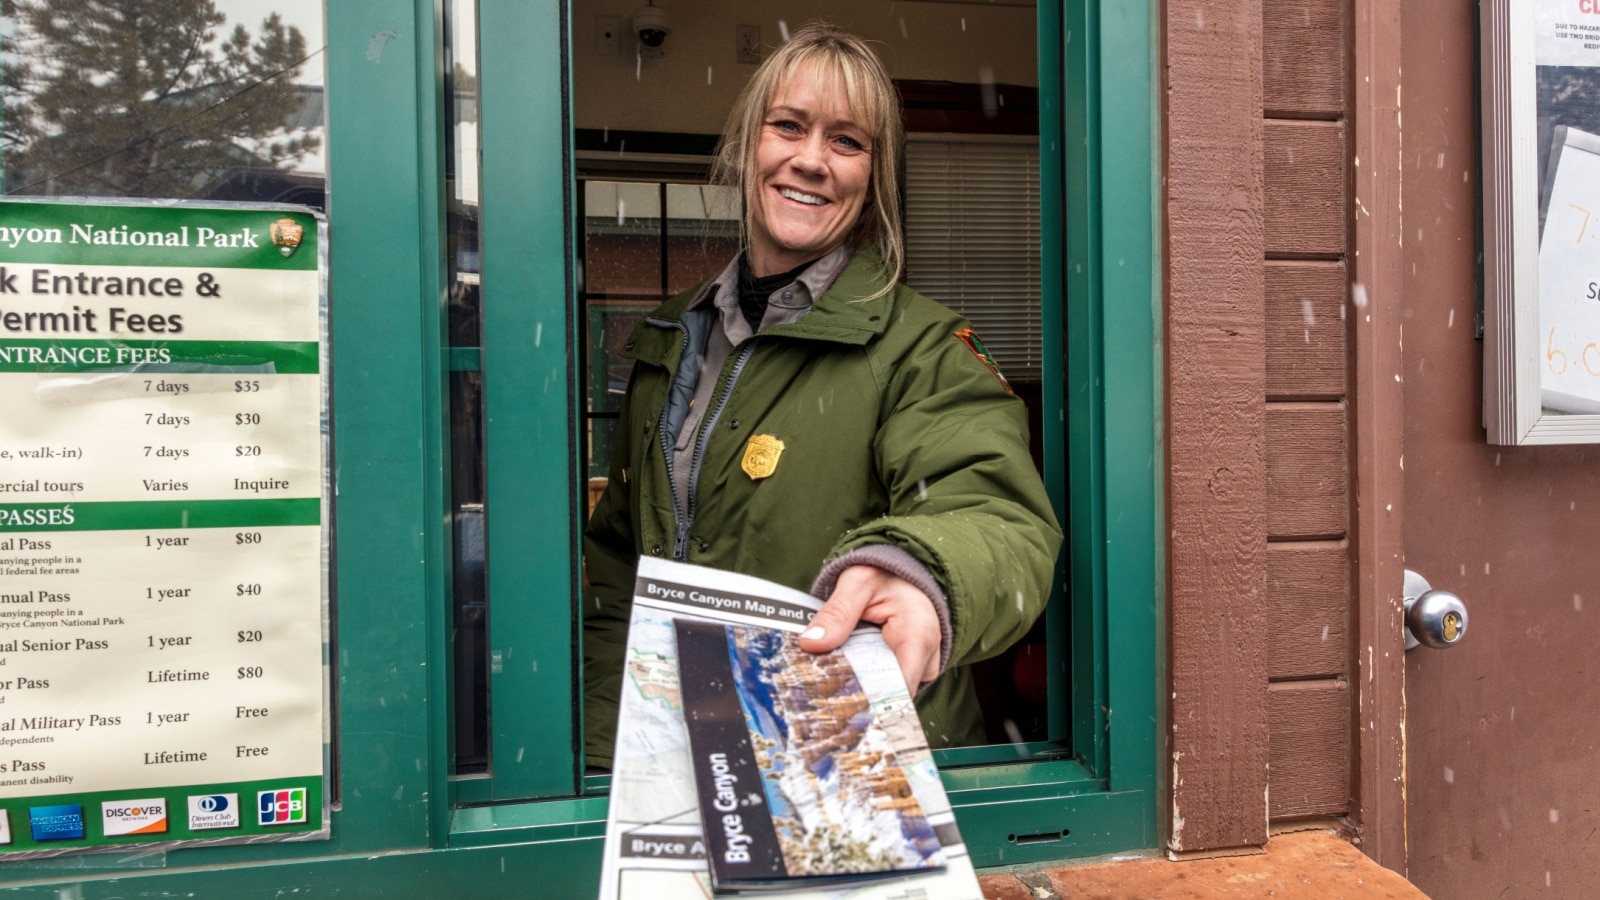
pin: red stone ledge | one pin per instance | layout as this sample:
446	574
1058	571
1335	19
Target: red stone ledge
1305	864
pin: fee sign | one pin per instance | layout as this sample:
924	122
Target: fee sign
163	524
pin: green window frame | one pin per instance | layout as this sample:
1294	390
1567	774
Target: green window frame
533	820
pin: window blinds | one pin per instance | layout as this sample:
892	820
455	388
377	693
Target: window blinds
972	240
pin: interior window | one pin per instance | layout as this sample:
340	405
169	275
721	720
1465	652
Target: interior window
642	242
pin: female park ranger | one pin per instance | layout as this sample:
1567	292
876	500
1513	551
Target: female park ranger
806	418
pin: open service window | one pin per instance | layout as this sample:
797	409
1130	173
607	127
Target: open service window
1006	222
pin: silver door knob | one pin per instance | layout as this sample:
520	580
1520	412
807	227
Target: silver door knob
1436	618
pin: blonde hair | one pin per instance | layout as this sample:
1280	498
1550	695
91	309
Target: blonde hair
838	59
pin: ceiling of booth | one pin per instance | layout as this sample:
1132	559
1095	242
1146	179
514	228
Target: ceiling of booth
691	87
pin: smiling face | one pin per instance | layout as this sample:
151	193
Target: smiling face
813	167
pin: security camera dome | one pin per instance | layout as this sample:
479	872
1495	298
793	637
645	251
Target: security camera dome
650	23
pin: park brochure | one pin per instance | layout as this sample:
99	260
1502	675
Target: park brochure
834	771
835	803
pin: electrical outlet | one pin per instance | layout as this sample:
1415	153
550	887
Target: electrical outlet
606	39
747	43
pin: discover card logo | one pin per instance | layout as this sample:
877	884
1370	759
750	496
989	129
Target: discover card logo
285	807
134	816
213	811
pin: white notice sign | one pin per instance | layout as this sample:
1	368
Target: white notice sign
162	524
1569	276
1567	32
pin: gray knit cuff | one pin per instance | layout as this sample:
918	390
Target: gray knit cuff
901	564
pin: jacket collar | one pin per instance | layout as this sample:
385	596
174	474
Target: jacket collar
842	314
815	280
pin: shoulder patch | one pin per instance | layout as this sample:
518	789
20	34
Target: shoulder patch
969	336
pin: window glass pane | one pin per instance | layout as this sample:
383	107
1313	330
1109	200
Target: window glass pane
470	599
702	232
622	239
208	100
199	100
461	170
610	322
627	275
464	333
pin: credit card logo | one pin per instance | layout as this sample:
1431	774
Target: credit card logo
120	817
284	807
5	826
56	823
209	811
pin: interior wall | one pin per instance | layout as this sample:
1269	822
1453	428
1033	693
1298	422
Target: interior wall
692	86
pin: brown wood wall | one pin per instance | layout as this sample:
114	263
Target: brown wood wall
1307	163
1216	419
1258	202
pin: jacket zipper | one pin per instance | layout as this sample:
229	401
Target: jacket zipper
666	446
680	547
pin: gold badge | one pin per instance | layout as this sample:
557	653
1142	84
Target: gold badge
761	456
286	234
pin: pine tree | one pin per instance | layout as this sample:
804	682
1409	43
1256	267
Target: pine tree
140	98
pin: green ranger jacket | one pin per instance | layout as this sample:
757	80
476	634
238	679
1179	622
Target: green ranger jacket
894	430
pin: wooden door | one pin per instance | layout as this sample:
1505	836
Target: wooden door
1503	730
